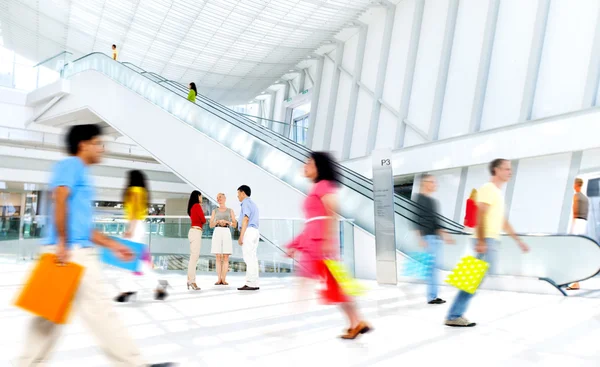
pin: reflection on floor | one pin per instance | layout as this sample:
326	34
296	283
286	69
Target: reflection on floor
220	326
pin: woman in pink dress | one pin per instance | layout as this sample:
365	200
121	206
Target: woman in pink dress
318	241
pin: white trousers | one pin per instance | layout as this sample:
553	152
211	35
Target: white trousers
195	238
578	226
249	248
129	281
96	311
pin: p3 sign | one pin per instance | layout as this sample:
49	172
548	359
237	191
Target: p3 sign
386	162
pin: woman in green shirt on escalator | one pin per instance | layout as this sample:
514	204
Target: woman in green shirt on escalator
193	92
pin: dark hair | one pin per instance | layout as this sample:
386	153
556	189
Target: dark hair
136	178
326	167
80	133
495	164
245	189
115	46
194	199
193	87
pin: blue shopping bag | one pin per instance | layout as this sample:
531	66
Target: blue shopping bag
419	265
109	258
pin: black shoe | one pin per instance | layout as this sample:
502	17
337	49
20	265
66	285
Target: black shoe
168	364
160	295
124	297
437	301
247	288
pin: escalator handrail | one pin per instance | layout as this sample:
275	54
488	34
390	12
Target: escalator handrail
454	227
302	151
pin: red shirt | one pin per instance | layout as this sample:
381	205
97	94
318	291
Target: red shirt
471	214
197	216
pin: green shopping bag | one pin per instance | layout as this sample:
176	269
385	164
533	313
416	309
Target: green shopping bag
468	274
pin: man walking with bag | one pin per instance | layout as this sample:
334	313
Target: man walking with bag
491	220
72	237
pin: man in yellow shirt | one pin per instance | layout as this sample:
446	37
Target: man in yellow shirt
491	220
115	53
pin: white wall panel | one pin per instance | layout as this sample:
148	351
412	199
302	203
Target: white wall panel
350	53
279	109
565	57
508	67
427	66
341	114
464	67
396	68
448	183
539	193
320	120
411	138
386	130
361	125
590	160
373	47
551	136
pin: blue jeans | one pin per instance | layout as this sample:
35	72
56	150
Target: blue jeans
459	307
434	247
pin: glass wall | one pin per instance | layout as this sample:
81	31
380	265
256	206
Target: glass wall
20	73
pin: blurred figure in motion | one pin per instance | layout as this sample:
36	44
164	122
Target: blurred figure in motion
431	234
193	92
471	211
72	238
223	219
195	236
318	241
136	198
249	237
580	214
115	53
490	223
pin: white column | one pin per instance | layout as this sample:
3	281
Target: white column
381	72
358	63
409	72
335	83
314	106
535	58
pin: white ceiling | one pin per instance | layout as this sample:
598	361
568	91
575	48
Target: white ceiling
232	49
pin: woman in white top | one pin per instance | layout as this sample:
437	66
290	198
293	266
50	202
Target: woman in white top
222	219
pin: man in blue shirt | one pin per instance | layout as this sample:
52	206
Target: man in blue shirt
72	237
249	237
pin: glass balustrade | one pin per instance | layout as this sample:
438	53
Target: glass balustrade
169	244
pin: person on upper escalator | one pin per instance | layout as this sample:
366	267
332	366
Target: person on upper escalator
193	93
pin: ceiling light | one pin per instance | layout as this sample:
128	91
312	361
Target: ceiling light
291	70
263	92
277	81
308	57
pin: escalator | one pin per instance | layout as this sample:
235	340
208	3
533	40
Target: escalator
216	149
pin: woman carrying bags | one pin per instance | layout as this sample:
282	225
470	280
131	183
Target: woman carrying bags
222	219
318	241
195	236
135	200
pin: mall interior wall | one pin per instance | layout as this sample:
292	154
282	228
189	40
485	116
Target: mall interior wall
415	71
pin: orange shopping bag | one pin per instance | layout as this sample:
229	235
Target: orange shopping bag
50	289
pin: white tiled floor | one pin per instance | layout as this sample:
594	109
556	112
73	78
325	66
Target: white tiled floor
220	326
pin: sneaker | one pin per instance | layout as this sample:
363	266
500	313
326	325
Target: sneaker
460	322
437	301
168	364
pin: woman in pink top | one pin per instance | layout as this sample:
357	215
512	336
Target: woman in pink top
318	241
